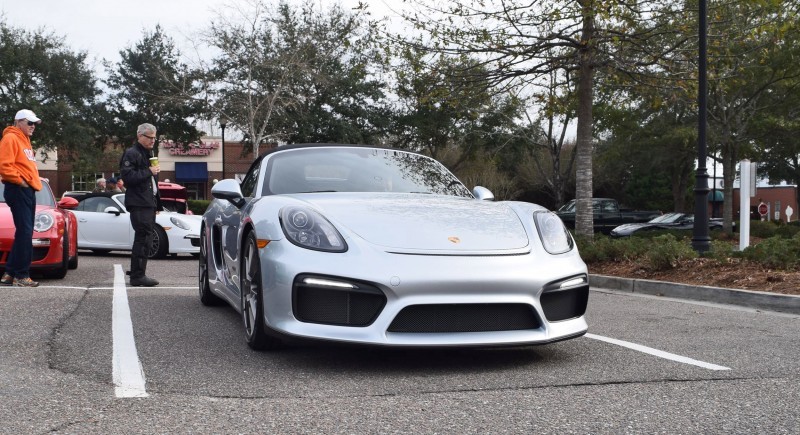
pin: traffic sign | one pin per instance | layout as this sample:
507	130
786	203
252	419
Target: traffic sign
762	209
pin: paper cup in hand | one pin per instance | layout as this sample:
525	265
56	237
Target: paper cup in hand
153	161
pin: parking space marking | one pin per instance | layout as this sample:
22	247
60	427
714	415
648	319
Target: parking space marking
127	372
658	353
61	287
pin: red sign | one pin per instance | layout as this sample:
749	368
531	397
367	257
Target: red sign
762	209
193	149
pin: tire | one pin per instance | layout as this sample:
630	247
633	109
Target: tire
207	298
253	299
61	271
160	244
73	261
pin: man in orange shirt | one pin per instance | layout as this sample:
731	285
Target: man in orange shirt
21	179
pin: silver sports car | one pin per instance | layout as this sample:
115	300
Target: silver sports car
379	246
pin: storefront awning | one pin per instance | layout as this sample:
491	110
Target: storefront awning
191	172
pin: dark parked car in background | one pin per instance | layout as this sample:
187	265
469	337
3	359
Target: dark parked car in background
669	221
607	215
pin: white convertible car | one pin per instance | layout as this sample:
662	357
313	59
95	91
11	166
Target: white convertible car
105	225
378	246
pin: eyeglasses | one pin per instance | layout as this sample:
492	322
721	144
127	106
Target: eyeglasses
31	123
149	137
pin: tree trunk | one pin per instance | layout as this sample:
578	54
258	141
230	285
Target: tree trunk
584	222
680	184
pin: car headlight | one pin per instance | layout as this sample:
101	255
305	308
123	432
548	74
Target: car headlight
554	234
43	221
179	223
308	229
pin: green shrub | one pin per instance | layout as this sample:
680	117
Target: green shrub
198	206
723	249
604	248
665	252
776	252
652	234
590	251
762	229
787	231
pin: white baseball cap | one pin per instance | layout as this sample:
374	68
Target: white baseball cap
27	114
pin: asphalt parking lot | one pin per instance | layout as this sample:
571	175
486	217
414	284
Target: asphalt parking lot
649	364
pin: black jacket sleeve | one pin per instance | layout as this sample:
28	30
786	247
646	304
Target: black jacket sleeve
132	170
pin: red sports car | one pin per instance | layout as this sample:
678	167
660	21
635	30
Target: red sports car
174	197
55	233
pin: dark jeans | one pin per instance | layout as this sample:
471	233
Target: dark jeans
143	221
22	202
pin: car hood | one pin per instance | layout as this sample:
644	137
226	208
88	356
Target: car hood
633	227
421	222
192	220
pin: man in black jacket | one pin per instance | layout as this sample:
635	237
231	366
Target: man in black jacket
141	199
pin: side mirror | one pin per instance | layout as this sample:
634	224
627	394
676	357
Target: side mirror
229	190
483	193
68	203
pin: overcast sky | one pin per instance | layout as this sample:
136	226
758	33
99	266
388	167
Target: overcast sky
104	27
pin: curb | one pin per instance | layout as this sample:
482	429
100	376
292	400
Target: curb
743	298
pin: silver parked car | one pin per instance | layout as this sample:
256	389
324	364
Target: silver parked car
379	246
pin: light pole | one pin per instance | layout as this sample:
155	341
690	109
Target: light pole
223	121
700	240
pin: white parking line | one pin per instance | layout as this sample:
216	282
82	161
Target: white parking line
127	373
61	287
658	353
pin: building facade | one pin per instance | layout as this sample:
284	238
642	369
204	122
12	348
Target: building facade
195	166
778	200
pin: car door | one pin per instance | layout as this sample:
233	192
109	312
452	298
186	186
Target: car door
100	229
609	215
228	223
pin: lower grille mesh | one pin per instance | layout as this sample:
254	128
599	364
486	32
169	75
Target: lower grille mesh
465	318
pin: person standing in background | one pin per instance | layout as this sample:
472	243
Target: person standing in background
111	185
141	199
21	179
99	185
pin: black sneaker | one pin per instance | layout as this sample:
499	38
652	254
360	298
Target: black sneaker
7	279
144	281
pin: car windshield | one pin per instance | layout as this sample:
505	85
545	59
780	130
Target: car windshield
568	207
331	169
668	218
43	197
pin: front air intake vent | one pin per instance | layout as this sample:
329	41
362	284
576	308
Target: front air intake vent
565	304
465	318
357	305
